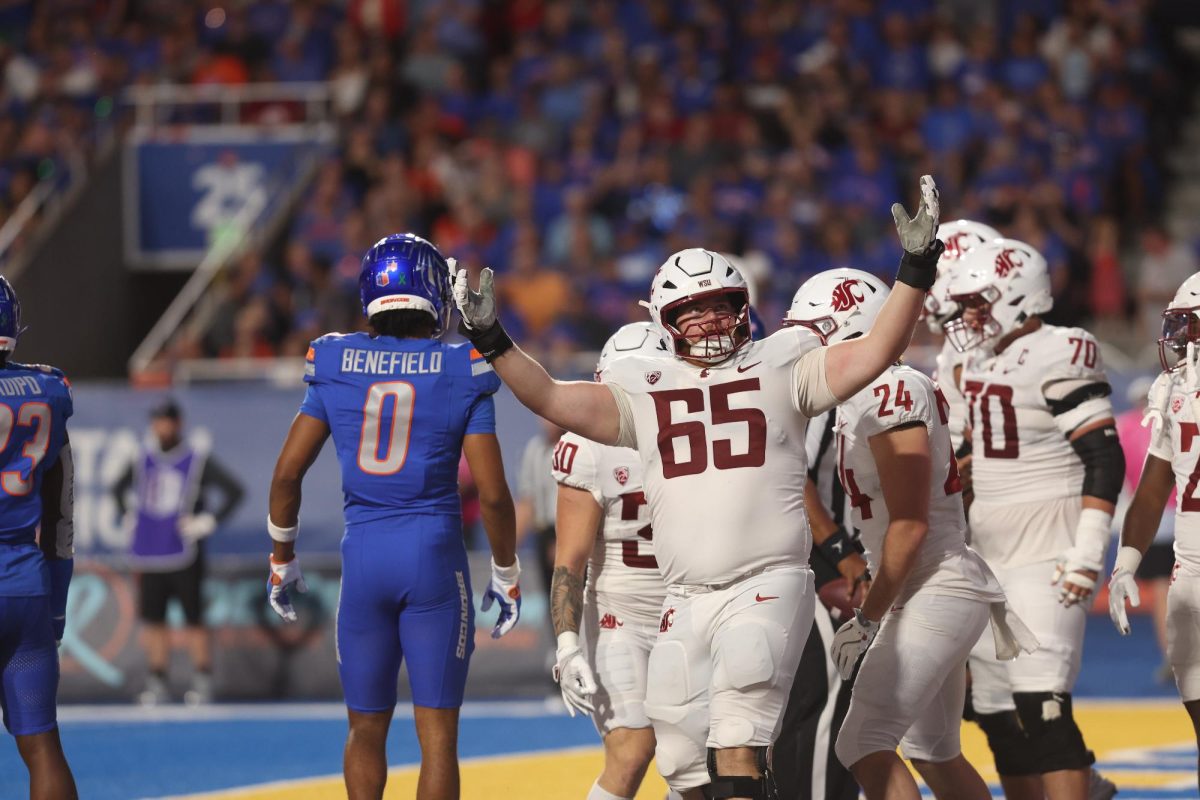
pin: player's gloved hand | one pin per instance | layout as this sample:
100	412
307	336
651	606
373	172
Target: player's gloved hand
478	308
505	589
918	234
197	527
1078	573
284	577
851	641
918	266
1122	587
573	675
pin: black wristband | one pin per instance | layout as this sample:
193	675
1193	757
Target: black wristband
920	271
491	343
838	546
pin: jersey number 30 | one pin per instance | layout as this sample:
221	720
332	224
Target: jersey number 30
382	450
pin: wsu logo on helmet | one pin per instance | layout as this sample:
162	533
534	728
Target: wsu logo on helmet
1006	263
954	245
847	295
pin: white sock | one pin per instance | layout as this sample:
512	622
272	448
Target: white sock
600	794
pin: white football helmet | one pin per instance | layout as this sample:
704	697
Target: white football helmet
696	274
960	237
641	338
1181	324
1004	282
838	304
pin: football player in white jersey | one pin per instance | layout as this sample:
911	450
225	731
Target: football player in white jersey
960	237
898	467
1047	469
603	529
1174	411
719	427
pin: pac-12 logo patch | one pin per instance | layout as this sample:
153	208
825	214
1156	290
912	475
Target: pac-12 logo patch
1176	404
652	377
622	475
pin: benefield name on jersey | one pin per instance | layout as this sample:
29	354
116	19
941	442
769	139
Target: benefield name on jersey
723	448
380	362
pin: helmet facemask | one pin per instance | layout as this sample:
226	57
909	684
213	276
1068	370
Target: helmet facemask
823	327
1180	327
975	326
714	339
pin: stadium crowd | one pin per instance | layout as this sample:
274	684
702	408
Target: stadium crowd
571	146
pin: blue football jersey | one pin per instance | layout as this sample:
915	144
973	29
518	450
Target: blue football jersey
35	402
398	410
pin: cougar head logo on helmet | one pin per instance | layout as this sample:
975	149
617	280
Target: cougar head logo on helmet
999	286
701	304
846	295
1181	325
960	237
837	305
640	338
1006	262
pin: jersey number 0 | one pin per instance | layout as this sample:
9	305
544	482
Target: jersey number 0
380	451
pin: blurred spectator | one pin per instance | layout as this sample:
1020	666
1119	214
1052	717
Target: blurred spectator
1165	264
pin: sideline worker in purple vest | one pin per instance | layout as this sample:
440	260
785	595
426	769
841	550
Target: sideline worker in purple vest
173	482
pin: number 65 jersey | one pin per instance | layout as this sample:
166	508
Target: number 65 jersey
722	451
398	410
622	570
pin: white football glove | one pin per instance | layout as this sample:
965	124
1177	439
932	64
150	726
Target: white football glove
1122	587
285	576
918	234
478	309
851	641
197	527
1071	568
504	588
573	675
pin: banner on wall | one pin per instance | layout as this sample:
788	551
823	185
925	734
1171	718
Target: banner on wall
256	655
184	187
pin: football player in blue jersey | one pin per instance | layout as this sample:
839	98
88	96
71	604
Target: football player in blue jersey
35	570
401	406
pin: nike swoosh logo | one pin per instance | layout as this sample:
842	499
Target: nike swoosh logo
752	366
758	598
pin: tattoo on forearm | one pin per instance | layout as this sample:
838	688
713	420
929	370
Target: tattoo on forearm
566	600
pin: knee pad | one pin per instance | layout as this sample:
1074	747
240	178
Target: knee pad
1011	748
722	787
745	655
1050	726
680	726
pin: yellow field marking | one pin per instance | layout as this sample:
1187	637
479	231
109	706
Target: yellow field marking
1110	729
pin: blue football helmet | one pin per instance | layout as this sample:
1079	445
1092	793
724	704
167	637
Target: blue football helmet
405	271
10	316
